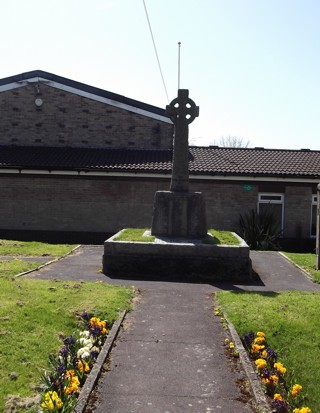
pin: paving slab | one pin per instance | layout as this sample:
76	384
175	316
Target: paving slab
171	361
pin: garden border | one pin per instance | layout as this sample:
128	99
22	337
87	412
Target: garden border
262	405
97	367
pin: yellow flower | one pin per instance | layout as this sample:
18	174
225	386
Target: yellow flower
261	363
256	348
231	345
51	401
259	340
73	382
296	389
73	386
302	410
277	396
217	311
260	334
280	368
226	340
83	366
274	379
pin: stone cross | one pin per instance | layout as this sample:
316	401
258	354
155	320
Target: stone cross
182	111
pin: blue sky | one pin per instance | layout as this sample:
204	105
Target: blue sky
252	66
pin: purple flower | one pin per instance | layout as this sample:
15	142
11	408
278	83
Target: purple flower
271	354
265	373
61	369
69	341
248	338
280	406
94	354
85	316
75	362
64	351
95	331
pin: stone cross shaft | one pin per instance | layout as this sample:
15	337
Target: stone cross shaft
182	111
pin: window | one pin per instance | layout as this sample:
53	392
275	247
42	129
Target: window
273	203
313	231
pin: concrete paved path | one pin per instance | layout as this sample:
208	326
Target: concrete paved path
170	357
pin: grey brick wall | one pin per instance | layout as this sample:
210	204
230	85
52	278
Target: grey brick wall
108	204
76	203
66	119
297	211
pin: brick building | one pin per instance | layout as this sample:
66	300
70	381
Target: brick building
77	161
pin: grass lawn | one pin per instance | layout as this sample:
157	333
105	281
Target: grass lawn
34	313
224	237
136	235
307	262
28	249
290	321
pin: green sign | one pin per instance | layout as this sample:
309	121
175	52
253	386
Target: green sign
247	187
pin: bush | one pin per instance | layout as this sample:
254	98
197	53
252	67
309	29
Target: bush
261	231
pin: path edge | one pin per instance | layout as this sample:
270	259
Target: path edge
261	403
48	263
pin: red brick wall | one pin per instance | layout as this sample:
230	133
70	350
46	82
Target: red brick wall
66	119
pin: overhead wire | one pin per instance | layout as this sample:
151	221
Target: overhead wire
155	49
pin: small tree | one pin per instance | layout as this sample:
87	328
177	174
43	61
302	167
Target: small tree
232	142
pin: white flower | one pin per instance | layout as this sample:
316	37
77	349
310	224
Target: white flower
83	352
86	342
85	334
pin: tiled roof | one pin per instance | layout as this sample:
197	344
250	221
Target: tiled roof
255	162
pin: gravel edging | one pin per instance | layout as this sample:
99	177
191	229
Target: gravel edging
97	367
47	263
261	404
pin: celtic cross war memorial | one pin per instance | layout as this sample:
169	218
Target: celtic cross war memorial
182	246
179	213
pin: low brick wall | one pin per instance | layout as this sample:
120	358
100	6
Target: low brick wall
189	260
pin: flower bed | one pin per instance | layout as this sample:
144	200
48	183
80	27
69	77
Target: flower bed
285	395
71	367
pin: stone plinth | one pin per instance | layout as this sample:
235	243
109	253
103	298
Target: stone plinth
179	214
188	259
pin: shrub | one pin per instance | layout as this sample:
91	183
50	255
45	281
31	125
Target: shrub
260	230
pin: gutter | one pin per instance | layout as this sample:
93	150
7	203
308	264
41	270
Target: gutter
75	172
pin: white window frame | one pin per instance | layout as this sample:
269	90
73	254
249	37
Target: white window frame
314	202
272	198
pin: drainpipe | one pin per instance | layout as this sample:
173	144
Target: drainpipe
318	228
